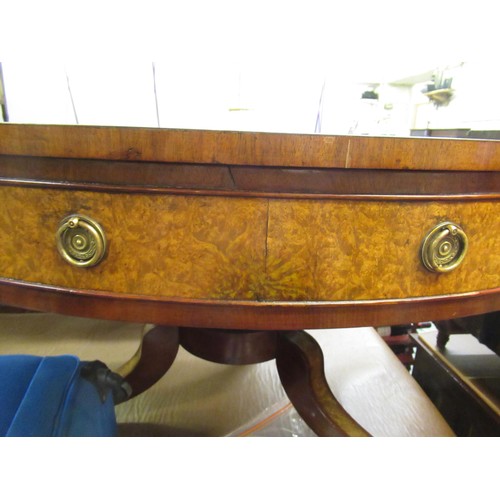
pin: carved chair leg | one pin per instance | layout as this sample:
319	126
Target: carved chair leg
152	360
301	369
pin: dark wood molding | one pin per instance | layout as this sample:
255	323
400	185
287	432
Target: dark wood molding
245	315
106	188
251	181
79	171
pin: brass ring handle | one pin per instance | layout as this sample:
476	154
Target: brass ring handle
444	248
81	241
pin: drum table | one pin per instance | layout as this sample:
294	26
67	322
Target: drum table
243	240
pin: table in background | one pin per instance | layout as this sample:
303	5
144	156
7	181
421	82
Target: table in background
462	379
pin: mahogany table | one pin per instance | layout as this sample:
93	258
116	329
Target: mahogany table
243	240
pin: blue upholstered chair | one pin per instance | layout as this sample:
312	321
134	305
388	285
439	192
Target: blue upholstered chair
57	396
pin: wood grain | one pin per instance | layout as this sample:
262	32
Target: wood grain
202	247
241	314
300	364
322	250
249	181
248	148
240	347
247	230
116	173
156	355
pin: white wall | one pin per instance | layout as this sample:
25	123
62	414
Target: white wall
231	97
269	57
237	96
103	94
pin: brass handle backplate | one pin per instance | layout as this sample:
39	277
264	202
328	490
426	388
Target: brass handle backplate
81	241
444	248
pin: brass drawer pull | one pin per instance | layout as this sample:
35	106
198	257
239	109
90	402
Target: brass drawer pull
81	241
444	248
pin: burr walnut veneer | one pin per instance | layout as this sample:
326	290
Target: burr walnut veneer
258	232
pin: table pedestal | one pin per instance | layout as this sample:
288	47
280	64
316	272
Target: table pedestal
299	360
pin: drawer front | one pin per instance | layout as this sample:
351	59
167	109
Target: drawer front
358	250
225	248
172	246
